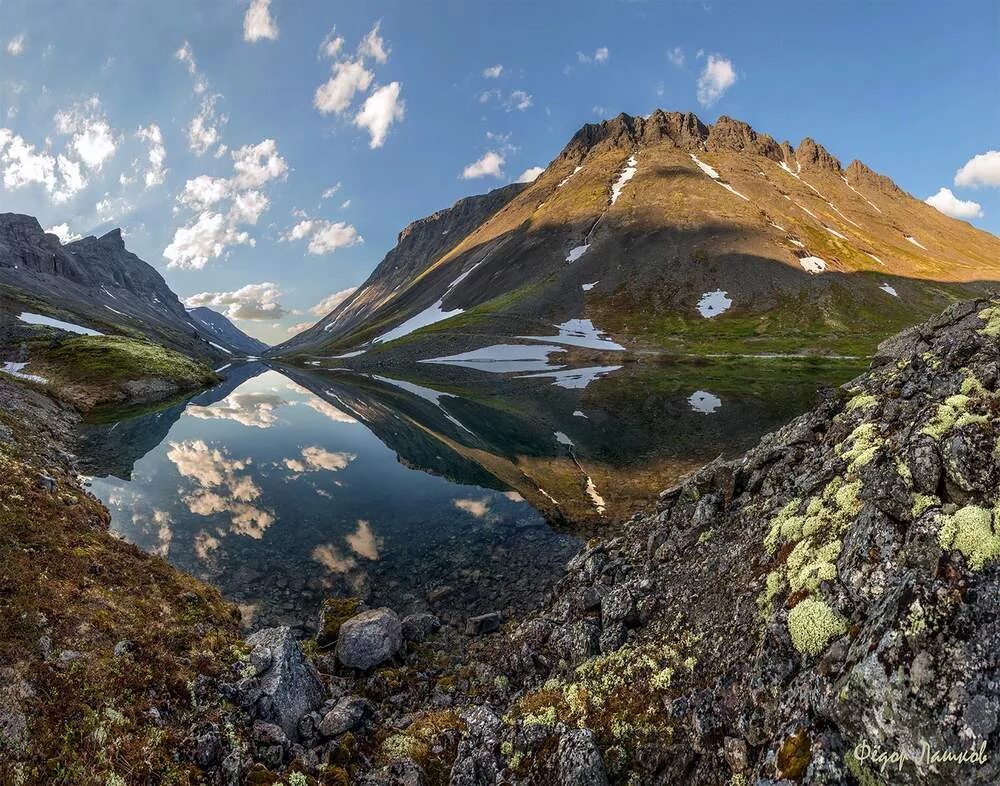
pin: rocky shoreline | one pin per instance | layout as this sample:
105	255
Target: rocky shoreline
820	607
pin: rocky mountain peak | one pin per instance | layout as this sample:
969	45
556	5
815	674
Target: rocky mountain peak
113	239
814	156
859	174
735	135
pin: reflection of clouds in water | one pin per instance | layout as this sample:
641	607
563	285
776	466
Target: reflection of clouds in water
703	401
152	523
363	542
222	489
250	409
474	507
316	458
327	409
513	496
204	545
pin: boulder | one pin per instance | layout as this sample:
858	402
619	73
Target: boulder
347	714
370	638
483	624
417	627
580	762
288	686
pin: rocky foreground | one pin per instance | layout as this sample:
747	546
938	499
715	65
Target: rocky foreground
822	610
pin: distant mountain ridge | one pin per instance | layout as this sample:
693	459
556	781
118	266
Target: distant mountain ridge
226	332
639	222
96	282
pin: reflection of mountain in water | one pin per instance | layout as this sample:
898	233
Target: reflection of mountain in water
579	455
113	448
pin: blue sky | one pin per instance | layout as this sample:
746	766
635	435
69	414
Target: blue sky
97	102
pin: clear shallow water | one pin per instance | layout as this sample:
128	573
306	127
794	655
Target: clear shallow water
461	493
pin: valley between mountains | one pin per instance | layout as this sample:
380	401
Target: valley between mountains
677	464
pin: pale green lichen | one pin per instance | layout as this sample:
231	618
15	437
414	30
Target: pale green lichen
812	624
970	531
946	416
922	502
864	442
547	718
991	316
916	619
785	526
808	565
864	401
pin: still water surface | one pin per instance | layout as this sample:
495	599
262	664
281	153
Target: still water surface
447	490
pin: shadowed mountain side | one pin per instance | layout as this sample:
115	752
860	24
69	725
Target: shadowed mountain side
113	445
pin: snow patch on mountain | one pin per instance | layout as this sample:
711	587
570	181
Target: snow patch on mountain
577	252
812	264
714	303
579	333
504	358
69	327
891	290
631	167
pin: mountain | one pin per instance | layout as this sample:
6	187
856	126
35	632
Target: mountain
226	332
95	282
669	235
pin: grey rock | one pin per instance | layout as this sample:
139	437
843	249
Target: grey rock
347	714
46	483
483	624
208	747
290	686
124	647
370	638
580	762
417	627
270	744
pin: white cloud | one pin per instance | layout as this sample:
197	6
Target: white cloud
530	175
156	155
676	57
490	164
93	139
329	192
332	44
519	100
255	302
324	237
17	45
64	233
213	230
380	110
949	204
715	79
255	165
345	204
204	131
330	302
207	238
294	330
600	56
493	72
981	170
373	46
186	56
258	24
335	95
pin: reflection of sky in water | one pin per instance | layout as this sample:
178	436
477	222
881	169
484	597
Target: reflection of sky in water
703	401
280	498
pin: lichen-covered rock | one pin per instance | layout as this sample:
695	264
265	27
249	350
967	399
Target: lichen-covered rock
370	638
580	762
287	686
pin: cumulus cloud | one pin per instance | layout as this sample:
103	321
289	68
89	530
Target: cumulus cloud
22	165
214	230
530	175
324	237
294	330
600	56
373	45
330	302
186	55
329	192
17	45
156	155
493	72
256	302
949	204
64	233
332	44
336	94
716	78
92	138
491	164
204	131
676	57
258	24
380	110
981	170
519	100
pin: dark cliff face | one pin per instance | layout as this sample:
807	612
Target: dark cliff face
97	282
419	244
226	332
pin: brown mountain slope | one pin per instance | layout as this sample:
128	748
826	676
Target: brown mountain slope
654	215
